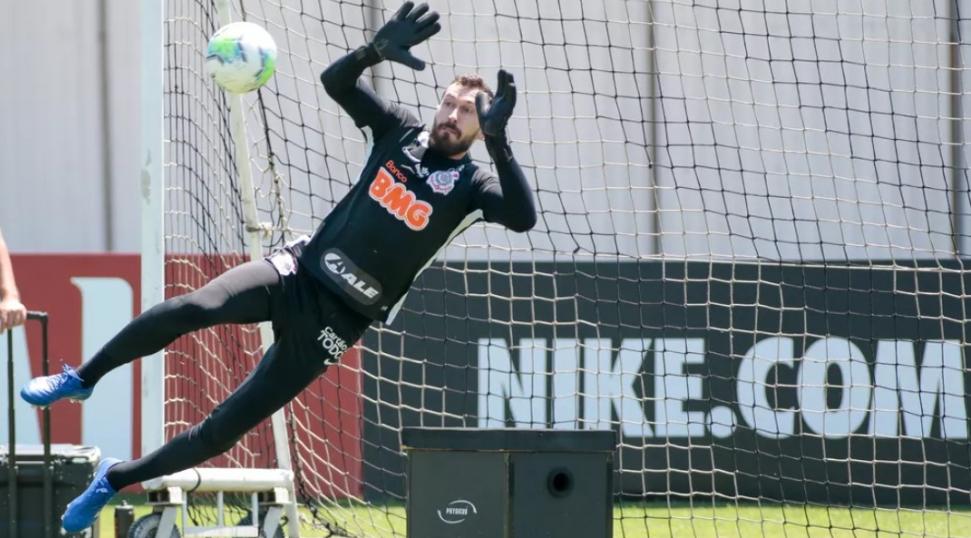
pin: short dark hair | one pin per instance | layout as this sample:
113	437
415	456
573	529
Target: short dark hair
474	81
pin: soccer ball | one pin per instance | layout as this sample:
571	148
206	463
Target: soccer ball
241	57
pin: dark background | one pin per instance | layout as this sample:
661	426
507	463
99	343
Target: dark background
423	372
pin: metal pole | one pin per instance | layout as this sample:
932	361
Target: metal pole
653	75
49	531
107	181
12	440
253	229
956	133
151	156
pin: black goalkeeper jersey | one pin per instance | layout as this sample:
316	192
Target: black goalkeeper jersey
408	203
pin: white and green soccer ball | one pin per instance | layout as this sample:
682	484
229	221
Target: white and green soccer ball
241	57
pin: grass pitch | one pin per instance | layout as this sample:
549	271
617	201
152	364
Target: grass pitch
683	520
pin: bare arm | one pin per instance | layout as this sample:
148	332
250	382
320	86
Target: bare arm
12	311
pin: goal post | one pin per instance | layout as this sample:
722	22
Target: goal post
151	157
156	255
748	263
254	246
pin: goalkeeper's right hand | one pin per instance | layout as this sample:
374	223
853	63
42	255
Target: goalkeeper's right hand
408	27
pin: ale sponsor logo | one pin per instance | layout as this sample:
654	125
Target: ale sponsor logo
354	281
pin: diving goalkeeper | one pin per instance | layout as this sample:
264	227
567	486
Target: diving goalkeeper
418	189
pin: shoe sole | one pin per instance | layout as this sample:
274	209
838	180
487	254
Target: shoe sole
45	406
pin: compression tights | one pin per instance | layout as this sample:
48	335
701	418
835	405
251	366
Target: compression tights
241	295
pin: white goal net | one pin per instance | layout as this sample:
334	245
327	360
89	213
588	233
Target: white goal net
748	260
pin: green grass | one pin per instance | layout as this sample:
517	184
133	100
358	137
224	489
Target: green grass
107	518
652	520
791	521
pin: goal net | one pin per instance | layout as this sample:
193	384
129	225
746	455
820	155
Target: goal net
748	260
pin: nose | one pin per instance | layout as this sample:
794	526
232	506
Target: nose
454	115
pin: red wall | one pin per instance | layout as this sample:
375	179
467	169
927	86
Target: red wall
45	285
328	414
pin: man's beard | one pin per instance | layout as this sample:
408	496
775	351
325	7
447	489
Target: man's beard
449	146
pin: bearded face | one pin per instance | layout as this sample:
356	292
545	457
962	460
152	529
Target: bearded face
447	139
456	125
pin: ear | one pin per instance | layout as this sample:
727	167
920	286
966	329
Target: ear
480	135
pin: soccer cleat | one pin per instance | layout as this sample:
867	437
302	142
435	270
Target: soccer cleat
83	510
45	390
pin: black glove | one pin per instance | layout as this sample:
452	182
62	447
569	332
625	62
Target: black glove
408	27
494	116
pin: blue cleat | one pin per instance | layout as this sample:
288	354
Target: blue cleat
45	390
83	510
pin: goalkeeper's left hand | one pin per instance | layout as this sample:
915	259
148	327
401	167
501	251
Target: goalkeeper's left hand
494	116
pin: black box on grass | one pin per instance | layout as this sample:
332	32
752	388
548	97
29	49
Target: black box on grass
504	483
72	468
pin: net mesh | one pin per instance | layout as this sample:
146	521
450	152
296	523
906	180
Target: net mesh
747	262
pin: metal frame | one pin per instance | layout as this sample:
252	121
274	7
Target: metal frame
151	157
254	246
958	182
153	239
268	488
12	497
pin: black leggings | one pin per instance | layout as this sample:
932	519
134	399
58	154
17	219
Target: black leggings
272	384
245	294
241	295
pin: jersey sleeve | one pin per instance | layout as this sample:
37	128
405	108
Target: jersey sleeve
506	199
342	81
486	187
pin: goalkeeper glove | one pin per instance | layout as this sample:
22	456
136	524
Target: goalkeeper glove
494	116
408	27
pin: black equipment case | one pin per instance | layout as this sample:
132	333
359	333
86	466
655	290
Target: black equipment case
37	481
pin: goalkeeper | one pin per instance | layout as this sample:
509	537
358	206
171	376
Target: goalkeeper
418	189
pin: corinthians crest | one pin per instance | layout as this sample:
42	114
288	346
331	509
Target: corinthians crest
443	181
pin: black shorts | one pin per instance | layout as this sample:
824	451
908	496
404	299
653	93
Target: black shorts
309	320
